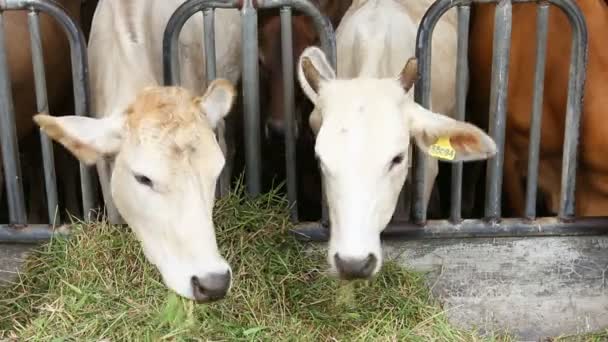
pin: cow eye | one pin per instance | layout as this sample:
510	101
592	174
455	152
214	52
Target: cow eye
143	180
398	159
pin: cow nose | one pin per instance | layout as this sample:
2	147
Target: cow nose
211	287
275	129
354	268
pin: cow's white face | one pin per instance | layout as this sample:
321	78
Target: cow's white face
363	127
167	161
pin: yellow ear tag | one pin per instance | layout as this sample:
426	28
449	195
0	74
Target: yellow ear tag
442	149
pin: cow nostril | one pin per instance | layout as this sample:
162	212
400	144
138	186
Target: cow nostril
274	129
210	287
353	268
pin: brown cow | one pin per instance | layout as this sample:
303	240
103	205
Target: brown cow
592	176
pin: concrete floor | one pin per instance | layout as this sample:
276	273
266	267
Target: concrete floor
533	287
11	259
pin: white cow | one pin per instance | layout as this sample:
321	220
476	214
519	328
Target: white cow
165	156
364	119
374	39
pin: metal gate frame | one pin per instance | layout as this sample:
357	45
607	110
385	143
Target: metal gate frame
493	225
17	230
249	32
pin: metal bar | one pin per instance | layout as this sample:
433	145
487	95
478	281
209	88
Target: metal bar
209	32
462	74
498	106
251	98
576	85
542	16
472	228
289	110
171	75
321	23
34	233
8	139
422	95
48	157
210	72
79	76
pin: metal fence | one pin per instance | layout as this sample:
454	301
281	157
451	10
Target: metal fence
250	76
491	225
17	230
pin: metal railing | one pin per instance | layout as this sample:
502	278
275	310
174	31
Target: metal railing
493	225
17	230
250	77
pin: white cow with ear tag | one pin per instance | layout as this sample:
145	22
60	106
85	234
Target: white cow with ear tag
364	126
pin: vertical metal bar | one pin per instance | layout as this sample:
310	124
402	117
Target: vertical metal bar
80	78
498	105
289	109
542	15
171	75
8	139
576	86
209	22
251	93
422	95
48	157
462	74
210	71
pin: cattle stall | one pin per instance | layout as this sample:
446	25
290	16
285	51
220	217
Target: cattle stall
18	229
410	220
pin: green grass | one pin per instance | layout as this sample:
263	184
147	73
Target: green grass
97	285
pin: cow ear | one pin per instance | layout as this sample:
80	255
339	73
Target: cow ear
447	139
409	74
87	138
313	70
217	101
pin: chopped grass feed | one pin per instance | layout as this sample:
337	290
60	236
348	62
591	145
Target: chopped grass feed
97	285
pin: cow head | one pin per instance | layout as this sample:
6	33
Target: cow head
166	164
363	128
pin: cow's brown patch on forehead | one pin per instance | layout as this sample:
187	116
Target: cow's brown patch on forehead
164	107
161	113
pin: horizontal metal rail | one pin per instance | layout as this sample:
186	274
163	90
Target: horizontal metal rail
34	233
471	228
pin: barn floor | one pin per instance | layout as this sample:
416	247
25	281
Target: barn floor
534	287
